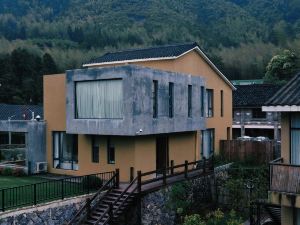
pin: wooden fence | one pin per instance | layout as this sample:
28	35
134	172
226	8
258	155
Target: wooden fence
257	151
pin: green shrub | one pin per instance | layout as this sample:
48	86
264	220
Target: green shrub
7	171
92	182
18	172
193	220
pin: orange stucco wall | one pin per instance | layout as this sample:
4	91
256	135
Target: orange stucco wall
138	152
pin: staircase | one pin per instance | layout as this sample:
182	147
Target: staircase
110	202
110	205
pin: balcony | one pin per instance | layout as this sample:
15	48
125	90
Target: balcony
284	178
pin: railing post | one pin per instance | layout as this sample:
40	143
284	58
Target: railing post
172	167
186	168
34	194
88	206
3	201
139	182
164	176
110	213
62	189
117	178
131	174
204	164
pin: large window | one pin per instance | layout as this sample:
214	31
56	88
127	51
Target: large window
110	151
95	150
208	142
295	138
99	99
190	106
65	151
154	98
209	103
171	100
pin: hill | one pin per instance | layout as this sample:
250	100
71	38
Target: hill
239	35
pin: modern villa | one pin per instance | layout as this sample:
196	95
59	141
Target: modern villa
136	110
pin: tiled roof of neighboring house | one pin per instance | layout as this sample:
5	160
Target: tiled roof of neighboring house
151	54
166	51
20	112
288	95
254	95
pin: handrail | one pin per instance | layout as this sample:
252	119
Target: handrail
86	205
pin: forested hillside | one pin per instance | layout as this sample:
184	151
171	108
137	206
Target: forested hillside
240	36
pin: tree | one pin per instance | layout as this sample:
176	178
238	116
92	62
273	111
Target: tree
49	66
281	67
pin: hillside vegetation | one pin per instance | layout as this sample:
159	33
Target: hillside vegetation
240	36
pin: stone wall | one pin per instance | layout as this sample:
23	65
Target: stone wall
54	213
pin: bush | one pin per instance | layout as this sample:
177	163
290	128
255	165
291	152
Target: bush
215	218
92	182
7	171
18	172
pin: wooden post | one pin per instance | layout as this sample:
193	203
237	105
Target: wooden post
204	164
34	194
172	167
164	177
88	206
131	174
139	182
117	178
186	168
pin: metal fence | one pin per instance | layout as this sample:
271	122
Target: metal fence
33	194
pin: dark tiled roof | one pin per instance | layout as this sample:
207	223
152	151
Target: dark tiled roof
254	95
145	53
17	112
289	94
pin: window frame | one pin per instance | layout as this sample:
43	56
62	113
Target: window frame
209	108
171	99
110	147
222	102
190	101
95	150
202	99
155	98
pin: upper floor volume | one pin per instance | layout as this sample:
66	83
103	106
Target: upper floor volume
133	100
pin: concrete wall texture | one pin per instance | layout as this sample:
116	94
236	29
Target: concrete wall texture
137	102
35	139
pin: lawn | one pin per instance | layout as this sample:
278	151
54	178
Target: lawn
24	191
10	181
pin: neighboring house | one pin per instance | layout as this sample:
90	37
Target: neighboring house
22	137
248	117
113	115
285	172
188	59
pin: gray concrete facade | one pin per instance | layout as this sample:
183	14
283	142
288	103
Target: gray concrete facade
137	102
35	133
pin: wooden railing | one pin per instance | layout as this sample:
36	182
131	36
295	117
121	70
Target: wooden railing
91	203
284	177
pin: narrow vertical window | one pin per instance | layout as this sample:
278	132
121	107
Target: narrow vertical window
202	101
95	150
154	97
209	103
171	100
190	101
222	103
110	151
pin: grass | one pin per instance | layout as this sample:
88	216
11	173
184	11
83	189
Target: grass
22	192
10	181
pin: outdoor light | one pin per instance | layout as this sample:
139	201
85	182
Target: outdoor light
38	118
140	131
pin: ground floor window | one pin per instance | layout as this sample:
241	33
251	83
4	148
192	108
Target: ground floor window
208	142
65	151
95	150
110	151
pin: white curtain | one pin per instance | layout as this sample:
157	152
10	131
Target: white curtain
295	139
99	99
